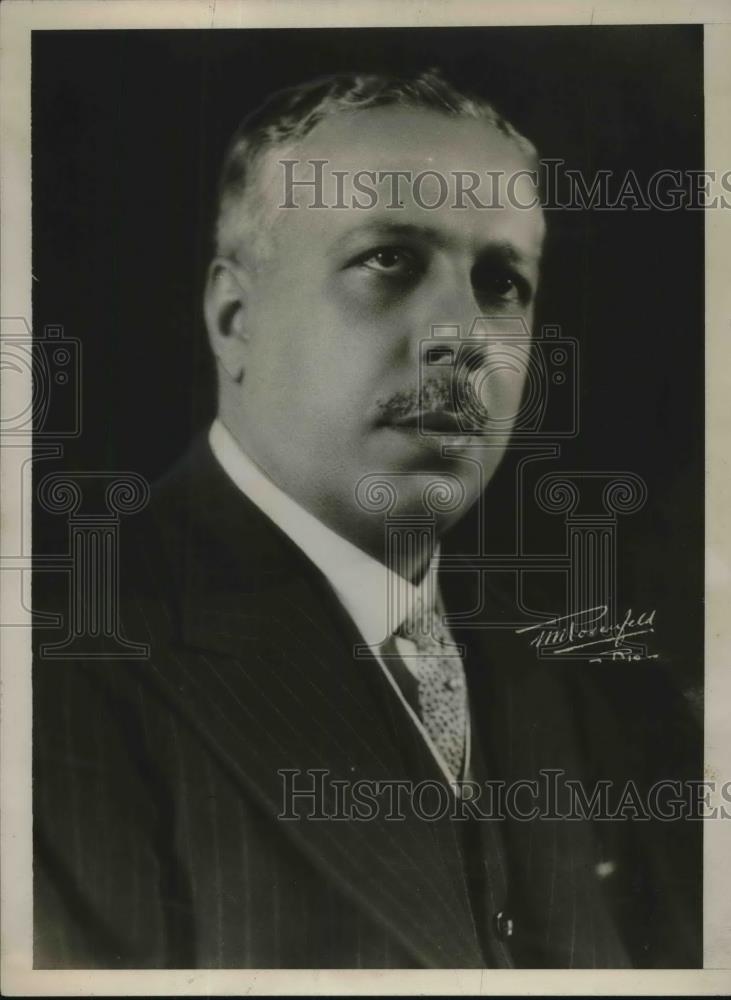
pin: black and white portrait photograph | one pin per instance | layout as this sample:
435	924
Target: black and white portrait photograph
363	575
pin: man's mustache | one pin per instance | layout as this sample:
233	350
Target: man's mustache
437	395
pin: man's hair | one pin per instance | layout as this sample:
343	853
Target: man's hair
287	116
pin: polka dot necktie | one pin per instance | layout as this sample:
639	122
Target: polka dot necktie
442	690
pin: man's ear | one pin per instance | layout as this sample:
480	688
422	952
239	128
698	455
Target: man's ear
224	307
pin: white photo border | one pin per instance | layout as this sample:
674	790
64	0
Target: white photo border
17	19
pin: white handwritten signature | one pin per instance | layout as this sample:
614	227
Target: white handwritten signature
581	629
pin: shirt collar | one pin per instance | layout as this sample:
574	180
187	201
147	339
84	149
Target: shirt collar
376	597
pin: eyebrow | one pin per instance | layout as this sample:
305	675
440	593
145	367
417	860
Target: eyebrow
504	249
402	229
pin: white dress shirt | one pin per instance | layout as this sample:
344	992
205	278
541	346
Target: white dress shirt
375	597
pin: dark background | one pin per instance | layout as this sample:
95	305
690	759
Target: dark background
129	128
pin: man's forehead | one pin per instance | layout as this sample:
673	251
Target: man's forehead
398	167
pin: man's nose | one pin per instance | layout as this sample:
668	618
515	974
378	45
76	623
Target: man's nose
445	316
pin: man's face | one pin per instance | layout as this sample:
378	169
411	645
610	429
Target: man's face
341	312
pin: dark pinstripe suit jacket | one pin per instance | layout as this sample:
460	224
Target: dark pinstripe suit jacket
156	785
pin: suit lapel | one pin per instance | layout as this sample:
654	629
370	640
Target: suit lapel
264	671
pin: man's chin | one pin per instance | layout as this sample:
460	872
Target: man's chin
438	490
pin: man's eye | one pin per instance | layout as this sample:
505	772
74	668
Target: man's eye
504	285
499	286
390	260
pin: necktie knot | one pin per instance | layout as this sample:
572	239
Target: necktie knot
418	619
423	626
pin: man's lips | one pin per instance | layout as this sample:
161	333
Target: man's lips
444	421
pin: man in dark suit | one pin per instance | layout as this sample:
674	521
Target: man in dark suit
191	808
